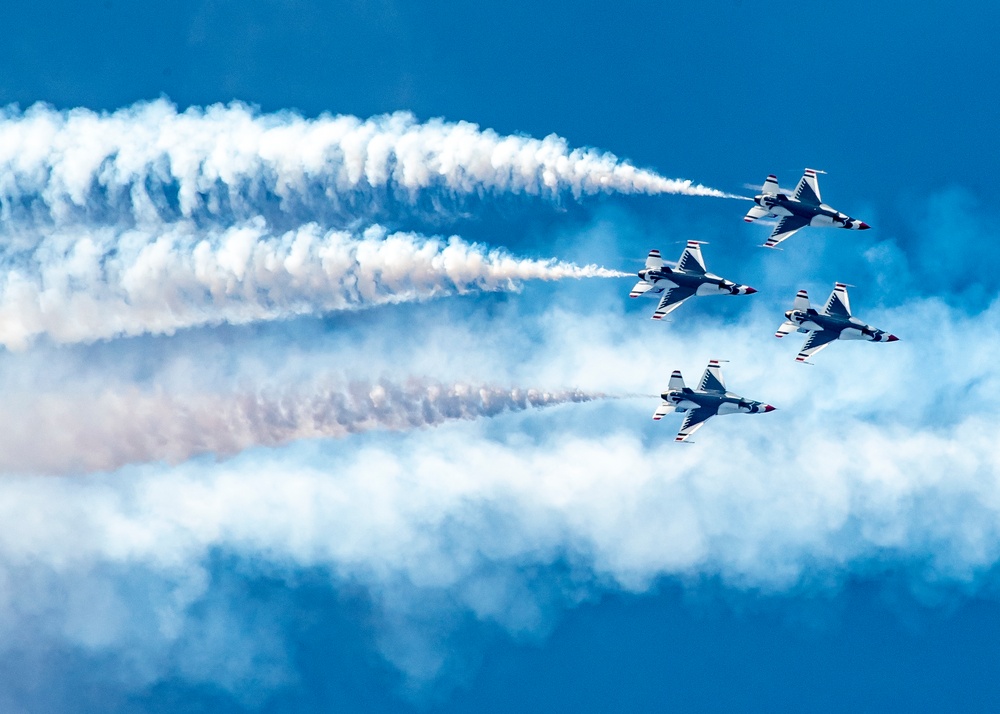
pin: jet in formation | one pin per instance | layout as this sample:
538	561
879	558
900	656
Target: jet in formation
803	208
835	322
701	404
688	278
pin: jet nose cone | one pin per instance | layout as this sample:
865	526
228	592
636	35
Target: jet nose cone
891	338
863	226
768	408
750	290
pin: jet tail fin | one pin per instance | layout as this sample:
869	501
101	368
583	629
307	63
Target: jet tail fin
676	380
654	260
770	185
801	301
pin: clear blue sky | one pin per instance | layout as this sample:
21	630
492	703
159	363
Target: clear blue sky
897	102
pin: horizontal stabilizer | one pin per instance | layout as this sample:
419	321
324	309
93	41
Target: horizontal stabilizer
654	260
801	301
770	185
676	381
662	411
786	329
754	213
640	287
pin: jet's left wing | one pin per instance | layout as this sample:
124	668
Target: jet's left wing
671	300
786	227
691	259
817	340
712	380
838	304
693	421
808	189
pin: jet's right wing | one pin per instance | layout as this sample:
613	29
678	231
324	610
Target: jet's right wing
712	380
691	259
838	304
808	189
817	340
693	421
786	227
671	300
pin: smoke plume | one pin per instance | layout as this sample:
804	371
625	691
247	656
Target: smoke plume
150	163
61	433
103	283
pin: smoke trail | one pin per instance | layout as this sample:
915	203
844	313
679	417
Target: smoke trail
59	433
105	283
149	163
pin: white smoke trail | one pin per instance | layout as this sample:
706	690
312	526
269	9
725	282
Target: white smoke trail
63	433
106	283
151	163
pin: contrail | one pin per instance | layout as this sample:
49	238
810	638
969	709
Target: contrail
105	283
150	163
61	434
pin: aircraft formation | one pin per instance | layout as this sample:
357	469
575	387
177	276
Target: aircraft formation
689	277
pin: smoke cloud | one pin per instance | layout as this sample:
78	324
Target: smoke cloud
102	283
60	433
150	163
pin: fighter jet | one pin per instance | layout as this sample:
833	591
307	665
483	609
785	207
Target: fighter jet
805	208
676	284
701	404
834	323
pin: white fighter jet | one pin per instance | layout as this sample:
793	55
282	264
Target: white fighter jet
701	404
835	322
687	278
804	208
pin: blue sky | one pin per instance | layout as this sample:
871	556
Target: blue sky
167	547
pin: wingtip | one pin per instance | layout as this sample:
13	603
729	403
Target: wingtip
768	408
750	290
892	338
864	226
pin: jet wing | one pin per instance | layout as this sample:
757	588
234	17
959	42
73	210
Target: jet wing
808	189
712	380
691	259
838	304
693	421
671	300
817	340
786	227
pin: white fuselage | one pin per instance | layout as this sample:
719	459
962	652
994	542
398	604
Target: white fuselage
850	328
779	205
